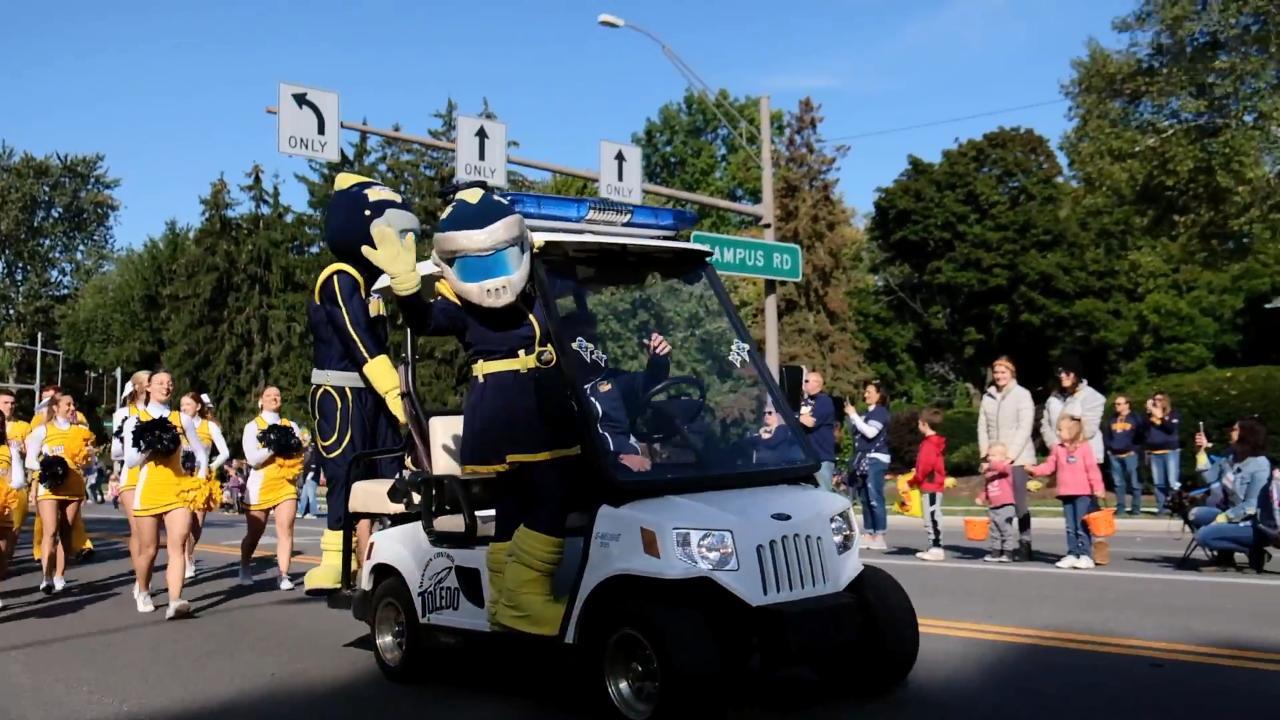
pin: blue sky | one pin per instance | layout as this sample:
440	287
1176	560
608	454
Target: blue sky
173	92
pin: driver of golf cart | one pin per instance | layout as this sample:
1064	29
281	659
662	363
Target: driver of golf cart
615	395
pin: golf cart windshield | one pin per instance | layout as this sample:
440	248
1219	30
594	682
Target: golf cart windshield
699	411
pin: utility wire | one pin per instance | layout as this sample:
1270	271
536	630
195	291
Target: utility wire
935	123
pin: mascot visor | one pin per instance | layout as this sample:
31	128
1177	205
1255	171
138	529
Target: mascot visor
494	265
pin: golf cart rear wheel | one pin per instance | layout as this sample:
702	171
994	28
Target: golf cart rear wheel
393	627
889	632
647	661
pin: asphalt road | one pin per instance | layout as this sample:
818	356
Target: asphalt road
1134	639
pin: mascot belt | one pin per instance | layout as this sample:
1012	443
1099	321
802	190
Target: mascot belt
544	357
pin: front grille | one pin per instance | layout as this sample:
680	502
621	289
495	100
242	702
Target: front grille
791	563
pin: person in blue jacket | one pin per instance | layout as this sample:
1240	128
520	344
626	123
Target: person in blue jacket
1164	448
1240	476
773	443
518	415
1122	435
818	416
870	461
355	397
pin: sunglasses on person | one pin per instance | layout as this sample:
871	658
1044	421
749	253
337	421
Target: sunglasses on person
768	412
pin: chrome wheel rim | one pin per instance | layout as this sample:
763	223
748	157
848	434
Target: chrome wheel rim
632	674
389	631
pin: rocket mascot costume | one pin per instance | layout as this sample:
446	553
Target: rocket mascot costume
518	416
355	397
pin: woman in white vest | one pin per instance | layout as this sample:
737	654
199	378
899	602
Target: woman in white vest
271	487
1007	416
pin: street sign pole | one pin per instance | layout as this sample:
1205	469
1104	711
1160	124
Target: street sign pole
766	199
118	378
39	354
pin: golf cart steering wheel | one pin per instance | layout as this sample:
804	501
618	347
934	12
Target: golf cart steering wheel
672	419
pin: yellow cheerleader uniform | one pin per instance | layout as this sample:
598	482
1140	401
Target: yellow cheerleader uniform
79	535
8	495
272	481
207	496
163	484
75	444
17	430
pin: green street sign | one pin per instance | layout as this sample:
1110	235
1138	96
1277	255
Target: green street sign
749	257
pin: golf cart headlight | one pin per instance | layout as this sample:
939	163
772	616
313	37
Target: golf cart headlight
706	549
843	531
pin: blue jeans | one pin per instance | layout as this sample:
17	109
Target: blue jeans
307	502
1074	508
1164	474
1227	537
1124	473
826	473
875	516
1201	516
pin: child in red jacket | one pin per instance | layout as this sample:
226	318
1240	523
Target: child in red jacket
1079	482
997	495
931	477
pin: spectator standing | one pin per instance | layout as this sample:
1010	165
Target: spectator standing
310	483
1007	415
1122	436
1164	449
870	461
931	477
997	495
1079	482
818	416
1076	399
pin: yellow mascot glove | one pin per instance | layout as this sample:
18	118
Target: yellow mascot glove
386	382
1222	518
395	256
1035	485
949	483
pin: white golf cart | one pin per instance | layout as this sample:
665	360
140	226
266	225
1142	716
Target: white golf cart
723	555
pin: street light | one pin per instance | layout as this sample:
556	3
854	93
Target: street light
764	159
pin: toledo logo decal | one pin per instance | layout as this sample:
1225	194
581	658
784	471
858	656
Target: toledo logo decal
437	587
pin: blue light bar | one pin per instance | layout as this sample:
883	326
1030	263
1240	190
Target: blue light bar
595	211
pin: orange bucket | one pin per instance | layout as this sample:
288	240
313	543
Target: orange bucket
975	528
1101	523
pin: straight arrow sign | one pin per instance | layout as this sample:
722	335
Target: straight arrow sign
621	172
473	161
621	157
481	135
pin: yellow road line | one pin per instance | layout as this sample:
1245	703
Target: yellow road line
1100	639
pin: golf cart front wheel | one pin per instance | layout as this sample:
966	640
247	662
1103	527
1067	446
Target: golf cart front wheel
888	630
647	661
393	627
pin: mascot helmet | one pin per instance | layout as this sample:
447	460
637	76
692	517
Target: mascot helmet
482	247
357	204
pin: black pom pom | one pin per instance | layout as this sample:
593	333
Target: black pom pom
282	441
156	437
188	461
53	471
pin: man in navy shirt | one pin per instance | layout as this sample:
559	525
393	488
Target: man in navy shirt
818	416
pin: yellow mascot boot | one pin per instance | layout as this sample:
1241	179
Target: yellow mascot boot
327	576
527	604
495	560
80	540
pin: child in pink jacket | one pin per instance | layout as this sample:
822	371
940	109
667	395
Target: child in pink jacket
1079	482
997	495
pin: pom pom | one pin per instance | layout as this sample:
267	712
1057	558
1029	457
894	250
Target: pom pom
156	437
188	461
282	441
53	471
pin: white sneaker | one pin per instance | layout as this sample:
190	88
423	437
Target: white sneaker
285	583
1	604
1084	562
246	576
177	609
933	554
308	516
59	583
1068	562
992	557
46	587
190	572
144	602
877	543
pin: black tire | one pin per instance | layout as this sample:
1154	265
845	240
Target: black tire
393	628
888	630
671	649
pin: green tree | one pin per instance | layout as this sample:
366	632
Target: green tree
973	258
1176	155
57	214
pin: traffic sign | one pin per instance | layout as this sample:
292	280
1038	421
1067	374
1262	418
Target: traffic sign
733	255
308	123
482	151
621	172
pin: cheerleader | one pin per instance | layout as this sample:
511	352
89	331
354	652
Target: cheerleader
79	536
58	449
136	403
276	462
209	495
163	492
16	433
12	487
